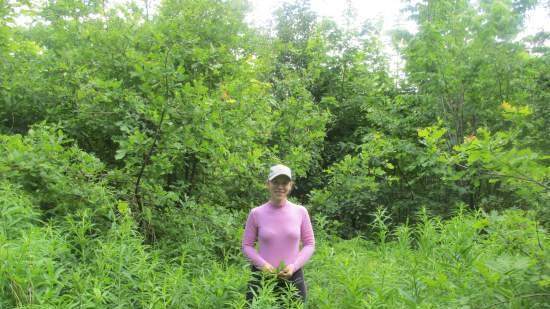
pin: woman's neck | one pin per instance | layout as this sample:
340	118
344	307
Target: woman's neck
278	203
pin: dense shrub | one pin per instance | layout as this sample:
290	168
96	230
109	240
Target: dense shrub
58	177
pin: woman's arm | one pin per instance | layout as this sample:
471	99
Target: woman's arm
308	241
249	240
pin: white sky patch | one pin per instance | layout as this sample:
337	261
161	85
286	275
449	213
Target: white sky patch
538	19
388	11
385	13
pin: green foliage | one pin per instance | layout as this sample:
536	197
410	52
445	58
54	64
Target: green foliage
460	263
394	174
204	233
32	267
30	271
16	211
57	177
472	260
464	61
501	160
351	194
133	144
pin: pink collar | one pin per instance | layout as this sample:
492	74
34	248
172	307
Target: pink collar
274	206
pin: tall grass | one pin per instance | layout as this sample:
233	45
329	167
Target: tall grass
471	261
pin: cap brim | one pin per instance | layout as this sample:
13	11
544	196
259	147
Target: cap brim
277	175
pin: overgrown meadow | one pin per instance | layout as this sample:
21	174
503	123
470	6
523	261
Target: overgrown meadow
133	143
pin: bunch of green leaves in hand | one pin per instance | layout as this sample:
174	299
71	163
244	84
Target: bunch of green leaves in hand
285	271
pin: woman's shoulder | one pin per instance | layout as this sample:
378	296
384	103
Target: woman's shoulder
259	207
299	207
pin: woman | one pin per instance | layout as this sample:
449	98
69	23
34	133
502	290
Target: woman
278	225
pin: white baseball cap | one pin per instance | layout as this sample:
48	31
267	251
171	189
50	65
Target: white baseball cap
277	170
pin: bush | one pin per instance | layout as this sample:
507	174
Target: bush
57	176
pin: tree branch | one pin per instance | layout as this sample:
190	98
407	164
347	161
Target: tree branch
147	156
496	174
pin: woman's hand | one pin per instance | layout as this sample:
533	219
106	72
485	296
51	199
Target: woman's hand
268	268
287	272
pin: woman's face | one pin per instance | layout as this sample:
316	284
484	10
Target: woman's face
279	187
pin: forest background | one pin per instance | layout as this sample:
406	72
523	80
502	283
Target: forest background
133	145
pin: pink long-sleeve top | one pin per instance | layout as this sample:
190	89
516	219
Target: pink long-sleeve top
278	230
